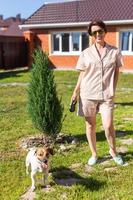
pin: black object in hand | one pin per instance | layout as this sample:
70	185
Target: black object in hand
72	106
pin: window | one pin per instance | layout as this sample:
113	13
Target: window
65	42
85	41
126	41
56	42
75	41
69	42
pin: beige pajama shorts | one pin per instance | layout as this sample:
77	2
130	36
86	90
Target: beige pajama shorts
89	107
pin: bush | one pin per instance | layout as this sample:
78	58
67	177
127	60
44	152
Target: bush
44	106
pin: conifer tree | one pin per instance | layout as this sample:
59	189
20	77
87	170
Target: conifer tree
44	106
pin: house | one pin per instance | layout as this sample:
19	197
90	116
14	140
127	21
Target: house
9	26
13	48
60	29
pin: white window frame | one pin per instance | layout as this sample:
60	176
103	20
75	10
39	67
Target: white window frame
70	43
129	52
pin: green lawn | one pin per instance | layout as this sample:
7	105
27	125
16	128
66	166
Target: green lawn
99	183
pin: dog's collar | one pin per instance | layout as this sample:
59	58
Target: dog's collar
45	161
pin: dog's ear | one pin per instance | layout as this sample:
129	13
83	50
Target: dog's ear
35	152
50	151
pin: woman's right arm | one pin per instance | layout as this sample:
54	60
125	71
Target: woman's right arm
77	87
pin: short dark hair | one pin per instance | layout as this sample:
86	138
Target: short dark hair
99	23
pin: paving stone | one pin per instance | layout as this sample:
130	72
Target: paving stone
127	141
29	195
122	149
128	119
110	169
76	166
13	84
47	188
89	169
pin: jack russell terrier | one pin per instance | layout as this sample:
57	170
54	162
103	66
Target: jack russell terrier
37	159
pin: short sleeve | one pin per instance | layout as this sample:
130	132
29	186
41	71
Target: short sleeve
81	64
119	59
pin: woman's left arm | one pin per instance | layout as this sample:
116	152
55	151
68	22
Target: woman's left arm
116	76
119	63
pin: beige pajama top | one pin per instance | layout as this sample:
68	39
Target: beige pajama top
98	79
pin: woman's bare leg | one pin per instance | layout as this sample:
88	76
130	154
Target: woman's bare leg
107	121
90	133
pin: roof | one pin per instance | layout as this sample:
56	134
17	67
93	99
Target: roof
13	30
82	11
10	26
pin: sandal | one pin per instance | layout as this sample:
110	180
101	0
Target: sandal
118	159
92	161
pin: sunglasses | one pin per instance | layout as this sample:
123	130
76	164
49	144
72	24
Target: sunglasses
100	31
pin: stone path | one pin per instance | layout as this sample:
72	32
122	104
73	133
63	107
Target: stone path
68	85
128	141
29	195
124	89
105	162
13	84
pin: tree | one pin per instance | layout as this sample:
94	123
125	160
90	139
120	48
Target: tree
44	106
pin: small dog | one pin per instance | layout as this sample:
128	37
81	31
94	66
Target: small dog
37	159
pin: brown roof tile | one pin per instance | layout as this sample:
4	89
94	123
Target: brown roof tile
82	11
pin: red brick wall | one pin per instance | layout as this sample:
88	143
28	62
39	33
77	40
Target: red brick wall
69	62
64	61
44	41
112	38
111	35
128	62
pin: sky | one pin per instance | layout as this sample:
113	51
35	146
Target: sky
10	8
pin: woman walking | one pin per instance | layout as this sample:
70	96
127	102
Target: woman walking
99	69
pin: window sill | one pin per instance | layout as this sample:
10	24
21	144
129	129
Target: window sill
126	53
65	54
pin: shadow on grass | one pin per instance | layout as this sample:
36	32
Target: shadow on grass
100	136
124	103
128	156
82	137
66	177
12	73
119	134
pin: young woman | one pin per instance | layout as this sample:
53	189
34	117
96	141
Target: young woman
99	68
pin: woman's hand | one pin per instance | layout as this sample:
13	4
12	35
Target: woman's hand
74	97
77	88
73	102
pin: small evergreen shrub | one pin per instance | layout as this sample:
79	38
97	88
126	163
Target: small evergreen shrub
44	106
